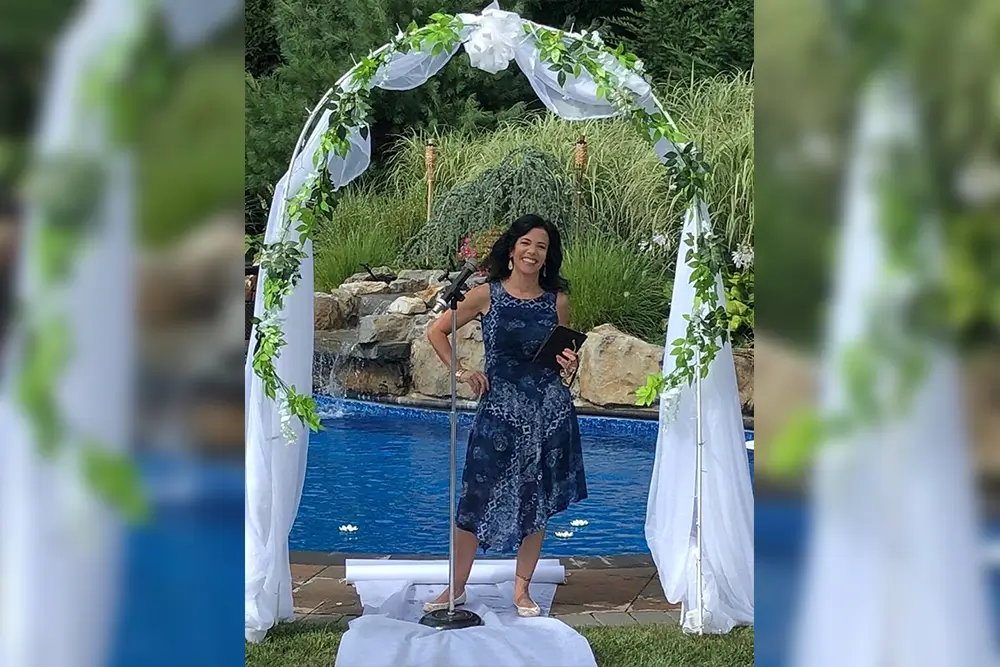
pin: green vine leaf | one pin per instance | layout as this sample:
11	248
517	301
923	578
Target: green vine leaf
114	477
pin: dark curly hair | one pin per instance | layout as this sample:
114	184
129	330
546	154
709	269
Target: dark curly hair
549	278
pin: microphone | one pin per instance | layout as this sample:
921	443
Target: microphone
453	294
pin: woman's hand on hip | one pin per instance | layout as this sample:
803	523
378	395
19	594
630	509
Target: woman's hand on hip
476	380
568	360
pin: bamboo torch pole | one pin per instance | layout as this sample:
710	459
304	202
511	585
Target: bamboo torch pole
580	164
430	162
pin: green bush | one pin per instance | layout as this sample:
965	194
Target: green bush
614	283
365	227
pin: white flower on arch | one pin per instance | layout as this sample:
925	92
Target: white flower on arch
494	39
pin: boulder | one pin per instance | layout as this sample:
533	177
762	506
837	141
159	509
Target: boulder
613	365
384	329
406	286
429	295
407	305
372	378
334	310
743	359
426	278
420	324
365	287
364	276
431	377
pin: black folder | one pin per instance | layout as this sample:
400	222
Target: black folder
559	339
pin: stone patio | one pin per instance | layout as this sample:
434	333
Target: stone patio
613	591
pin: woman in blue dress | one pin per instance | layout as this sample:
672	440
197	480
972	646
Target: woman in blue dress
524	462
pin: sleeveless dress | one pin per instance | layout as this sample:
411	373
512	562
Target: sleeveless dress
524	461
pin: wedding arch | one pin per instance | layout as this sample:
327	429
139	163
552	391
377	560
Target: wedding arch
577	77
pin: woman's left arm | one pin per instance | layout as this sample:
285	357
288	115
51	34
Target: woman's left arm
562	308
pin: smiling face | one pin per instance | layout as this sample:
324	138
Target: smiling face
530	252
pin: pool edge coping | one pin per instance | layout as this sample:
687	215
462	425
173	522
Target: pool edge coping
441	404
616	562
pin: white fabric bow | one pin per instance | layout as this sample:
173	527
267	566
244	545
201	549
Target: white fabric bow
493	42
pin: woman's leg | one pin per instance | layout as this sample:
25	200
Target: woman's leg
527	559
466	544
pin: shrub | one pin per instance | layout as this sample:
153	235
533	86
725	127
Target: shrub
365	226
613	283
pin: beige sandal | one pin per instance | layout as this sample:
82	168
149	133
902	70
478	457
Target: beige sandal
438	606
527	612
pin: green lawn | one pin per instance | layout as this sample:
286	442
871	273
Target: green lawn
301	645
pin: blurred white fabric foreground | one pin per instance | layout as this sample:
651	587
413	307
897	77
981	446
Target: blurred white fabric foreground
893	574
60	541
727	494
392	593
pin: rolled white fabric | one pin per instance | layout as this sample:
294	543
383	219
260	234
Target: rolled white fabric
548	571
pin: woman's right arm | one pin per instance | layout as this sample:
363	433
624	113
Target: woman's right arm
476	302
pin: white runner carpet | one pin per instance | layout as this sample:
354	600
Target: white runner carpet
388	633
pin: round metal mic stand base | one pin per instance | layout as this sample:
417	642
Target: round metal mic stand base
446	619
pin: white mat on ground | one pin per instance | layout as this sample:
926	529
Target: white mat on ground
393	593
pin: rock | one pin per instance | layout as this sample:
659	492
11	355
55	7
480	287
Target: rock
364	276
477	280
407	305
420	324
425	277
194	277
334	310
405	286
429	295
613	365
384	329
982	392
372	378
743	359
375	304
365	287
431	376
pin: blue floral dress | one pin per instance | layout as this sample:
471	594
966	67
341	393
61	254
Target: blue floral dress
524	462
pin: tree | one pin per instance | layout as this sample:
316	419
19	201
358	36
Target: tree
685	38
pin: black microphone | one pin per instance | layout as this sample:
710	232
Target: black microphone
453	294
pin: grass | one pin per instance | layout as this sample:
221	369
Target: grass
611	282
302	645
627	190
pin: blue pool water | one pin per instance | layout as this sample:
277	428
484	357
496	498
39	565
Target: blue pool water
781	531
182	579
385	470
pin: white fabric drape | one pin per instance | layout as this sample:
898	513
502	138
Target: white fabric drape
392	594
276	471
727	522
893	574
60	542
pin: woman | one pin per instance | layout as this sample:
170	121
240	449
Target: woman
524	462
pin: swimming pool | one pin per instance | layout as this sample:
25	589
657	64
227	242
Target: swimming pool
780	536
384	469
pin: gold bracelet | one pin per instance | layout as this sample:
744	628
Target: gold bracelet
459	373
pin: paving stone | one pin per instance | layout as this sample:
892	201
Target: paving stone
614	618
648	617
303	573
578	620
651	598
333	572
322	596
600	589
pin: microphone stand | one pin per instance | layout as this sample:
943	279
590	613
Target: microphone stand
451	618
